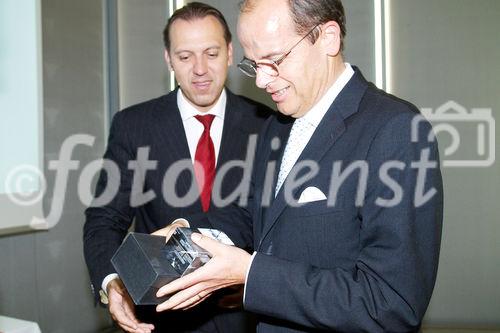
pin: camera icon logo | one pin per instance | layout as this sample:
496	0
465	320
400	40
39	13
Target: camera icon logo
469	136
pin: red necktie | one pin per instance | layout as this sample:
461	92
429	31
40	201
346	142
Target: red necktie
205	156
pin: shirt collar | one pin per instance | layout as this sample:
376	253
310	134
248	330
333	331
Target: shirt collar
318	111
189	111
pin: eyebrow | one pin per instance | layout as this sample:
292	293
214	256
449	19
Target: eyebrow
205	50
273	54
268	56
212	48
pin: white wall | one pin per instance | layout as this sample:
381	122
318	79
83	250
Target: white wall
449	50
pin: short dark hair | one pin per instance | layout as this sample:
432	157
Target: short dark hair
192	11
308	13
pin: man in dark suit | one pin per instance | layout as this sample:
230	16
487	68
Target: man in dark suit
154	146
347	232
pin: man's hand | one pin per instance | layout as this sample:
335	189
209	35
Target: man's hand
228	267
122	309
169	230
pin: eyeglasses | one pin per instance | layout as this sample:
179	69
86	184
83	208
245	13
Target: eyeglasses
270	67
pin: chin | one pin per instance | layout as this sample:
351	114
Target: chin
286	111
206	103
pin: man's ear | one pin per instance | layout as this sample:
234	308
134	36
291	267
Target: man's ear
167	60
230	54
331	38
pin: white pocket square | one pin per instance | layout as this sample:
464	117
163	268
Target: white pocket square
311	194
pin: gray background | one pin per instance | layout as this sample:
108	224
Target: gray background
442	50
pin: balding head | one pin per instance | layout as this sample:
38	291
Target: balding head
296	69
305	13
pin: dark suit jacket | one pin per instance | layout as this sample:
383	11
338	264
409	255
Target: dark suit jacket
347	267
157	124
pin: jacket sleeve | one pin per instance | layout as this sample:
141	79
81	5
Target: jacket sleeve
106	225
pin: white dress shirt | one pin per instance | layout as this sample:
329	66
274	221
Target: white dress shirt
193	130
314	117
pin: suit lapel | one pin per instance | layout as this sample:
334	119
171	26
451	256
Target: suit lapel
232	119
169	125
330	129
282	131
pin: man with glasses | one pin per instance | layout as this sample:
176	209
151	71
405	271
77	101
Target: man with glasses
347	230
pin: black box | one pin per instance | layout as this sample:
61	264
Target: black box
145	263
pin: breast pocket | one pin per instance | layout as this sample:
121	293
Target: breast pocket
321	207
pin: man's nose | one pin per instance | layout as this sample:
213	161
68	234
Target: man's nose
262	79
200	66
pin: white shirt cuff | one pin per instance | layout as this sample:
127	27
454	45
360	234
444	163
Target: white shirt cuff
246	277
182	221
106	281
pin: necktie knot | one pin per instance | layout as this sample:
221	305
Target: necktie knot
300	124
206	120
